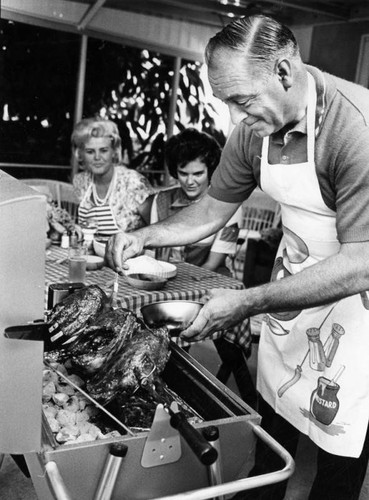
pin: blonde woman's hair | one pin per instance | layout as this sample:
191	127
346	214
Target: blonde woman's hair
96	127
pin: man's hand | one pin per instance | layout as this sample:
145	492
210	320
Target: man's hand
222	310
123	246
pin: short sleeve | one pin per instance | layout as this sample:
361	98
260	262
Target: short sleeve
236	175
80	183
226	239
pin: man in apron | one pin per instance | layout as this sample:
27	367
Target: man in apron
302	136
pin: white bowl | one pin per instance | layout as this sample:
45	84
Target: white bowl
99	247
94	262
144	264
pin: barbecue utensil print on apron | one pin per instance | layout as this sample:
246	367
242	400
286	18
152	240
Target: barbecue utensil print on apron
304	354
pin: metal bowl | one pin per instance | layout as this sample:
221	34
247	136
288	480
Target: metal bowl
176	315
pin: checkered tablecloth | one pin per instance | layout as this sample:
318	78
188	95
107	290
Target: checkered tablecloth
190	283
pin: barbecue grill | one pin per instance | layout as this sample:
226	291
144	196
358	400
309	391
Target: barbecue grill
75	471
89	470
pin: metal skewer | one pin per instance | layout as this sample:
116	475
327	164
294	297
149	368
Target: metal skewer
75	386
114	293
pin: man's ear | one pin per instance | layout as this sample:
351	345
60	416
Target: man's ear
284	72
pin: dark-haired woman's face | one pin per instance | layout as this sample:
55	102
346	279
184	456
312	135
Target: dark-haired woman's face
193	179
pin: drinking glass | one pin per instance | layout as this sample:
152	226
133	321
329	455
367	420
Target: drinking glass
77	263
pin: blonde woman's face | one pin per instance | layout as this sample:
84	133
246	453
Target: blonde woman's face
97	155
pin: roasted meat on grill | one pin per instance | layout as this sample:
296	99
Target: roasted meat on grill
102	338
112	348
142	357
71	315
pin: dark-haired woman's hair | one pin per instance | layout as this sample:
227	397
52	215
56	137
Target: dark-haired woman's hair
190	145
259	37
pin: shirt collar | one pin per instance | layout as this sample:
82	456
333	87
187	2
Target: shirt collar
301	126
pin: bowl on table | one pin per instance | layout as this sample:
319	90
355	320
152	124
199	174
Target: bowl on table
99	246
176	315
144	264
146	281
94	262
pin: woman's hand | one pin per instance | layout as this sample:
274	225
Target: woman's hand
123	246
222	310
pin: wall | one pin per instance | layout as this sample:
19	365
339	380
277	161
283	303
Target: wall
335	48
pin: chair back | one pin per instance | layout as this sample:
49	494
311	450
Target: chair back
61	192
260	212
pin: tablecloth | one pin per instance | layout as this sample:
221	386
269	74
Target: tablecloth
190	283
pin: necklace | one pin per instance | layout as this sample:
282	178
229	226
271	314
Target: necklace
96	198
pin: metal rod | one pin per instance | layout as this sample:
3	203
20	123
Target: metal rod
78	107
56	482
215	471
173	106
89	14
110	472
35	165
249	482
127	429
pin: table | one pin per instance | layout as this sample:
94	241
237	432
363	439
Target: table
190	283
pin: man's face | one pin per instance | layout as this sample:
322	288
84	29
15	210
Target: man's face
256	98
193	179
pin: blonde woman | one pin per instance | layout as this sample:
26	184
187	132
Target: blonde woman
109	192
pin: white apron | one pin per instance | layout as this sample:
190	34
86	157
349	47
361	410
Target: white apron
103	214
313	366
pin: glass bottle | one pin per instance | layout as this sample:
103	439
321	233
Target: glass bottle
332	343
73	238
316	350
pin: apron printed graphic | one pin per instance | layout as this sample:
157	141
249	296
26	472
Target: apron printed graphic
312	363
324	401
280	271
297	250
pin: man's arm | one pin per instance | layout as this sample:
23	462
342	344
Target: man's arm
191	224
328	281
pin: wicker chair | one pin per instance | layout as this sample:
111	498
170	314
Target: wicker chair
259	212
60	192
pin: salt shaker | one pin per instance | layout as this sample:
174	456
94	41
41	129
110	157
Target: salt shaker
64	240
316	351
333	342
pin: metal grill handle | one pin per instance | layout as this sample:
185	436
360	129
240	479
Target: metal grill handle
249	482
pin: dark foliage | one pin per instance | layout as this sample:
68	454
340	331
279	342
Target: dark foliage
129	85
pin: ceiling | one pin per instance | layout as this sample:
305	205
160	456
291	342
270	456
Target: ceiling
179	28
217	13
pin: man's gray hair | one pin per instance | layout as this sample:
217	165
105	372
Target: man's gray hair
258	37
